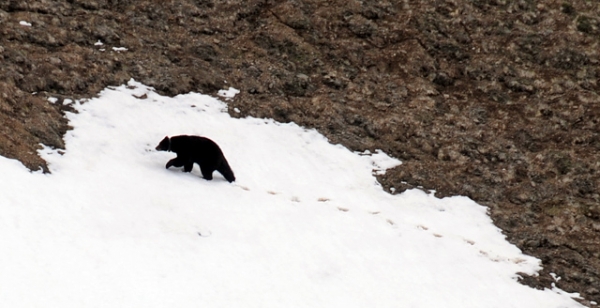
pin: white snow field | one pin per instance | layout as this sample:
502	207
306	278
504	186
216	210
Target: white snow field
305	224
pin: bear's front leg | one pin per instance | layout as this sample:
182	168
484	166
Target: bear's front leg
188	166
177	162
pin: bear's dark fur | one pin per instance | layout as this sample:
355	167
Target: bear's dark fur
199	150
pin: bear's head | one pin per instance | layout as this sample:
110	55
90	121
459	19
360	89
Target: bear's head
164	145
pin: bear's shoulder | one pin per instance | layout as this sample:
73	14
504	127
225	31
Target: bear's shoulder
186	143
188	139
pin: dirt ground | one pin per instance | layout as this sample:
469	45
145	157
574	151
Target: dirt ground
497	100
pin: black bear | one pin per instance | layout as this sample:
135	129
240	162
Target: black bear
199	150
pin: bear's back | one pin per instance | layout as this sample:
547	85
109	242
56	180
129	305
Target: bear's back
197	147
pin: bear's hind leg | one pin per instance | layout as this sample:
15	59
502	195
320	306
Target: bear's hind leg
226	171
206	172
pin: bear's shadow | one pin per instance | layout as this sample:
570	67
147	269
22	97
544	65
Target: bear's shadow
195	173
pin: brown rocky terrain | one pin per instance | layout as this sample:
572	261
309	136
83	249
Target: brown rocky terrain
497	100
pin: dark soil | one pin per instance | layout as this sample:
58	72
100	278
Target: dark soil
497	100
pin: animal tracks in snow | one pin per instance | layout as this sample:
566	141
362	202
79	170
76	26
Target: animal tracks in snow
393	223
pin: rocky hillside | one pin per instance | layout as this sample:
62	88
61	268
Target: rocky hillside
497	100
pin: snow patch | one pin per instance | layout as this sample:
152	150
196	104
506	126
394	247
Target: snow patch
229	93
305	225
380	161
